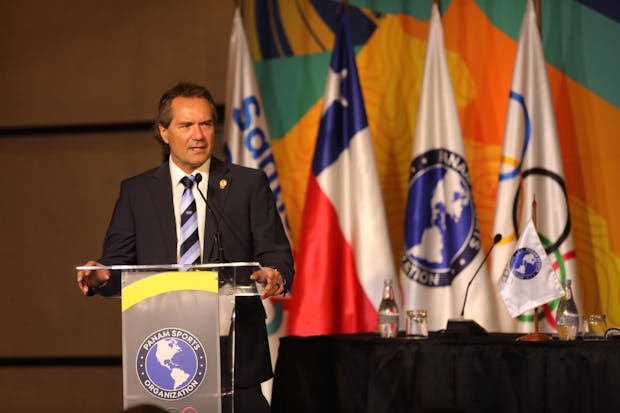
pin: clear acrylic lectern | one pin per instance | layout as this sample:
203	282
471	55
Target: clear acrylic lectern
179	333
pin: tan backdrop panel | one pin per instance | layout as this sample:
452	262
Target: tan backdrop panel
62	389
75	61
71	62
58	196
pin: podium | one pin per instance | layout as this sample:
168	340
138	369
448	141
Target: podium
178	324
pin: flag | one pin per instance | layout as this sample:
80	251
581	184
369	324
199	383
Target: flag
247	143
344	251
528	280
247	140
442	248
531	168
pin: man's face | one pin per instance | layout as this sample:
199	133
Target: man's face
190	134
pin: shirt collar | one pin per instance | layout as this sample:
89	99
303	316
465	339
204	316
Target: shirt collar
176	173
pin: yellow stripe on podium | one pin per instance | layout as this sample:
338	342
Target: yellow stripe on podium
166	282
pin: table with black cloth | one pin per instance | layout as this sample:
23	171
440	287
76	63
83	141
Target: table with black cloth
494	373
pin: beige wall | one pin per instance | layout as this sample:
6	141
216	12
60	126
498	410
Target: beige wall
70	62
77	61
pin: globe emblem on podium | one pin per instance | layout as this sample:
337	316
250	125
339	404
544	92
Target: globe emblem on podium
171	363
441	237
525	263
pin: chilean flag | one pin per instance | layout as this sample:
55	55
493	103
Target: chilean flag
344	251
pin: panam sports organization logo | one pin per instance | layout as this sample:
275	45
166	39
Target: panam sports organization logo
525	263
441	235
171	363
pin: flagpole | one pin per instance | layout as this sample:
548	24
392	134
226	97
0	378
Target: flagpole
534	215
537	9
536	335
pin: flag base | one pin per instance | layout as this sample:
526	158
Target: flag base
535	337
464	327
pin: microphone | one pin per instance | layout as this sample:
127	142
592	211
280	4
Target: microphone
220	258
461	325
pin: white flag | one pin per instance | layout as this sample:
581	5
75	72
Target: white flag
247	140
442	241
247	143
531	167
529	280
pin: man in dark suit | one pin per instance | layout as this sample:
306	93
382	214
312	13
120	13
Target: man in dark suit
146	227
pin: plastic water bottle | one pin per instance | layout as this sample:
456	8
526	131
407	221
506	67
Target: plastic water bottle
567	316
388	312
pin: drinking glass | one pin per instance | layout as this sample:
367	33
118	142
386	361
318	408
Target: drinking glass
416	323
594	326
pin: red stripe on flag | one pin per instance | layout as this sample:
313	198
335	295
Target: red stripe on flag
327	295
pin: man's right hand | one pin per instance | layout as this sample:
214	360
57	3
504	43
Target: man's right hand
90	279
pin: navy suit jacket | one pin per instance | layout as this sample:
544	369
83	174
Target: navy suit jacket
142	231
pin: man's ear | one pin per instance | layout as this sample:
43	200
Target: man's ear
163	132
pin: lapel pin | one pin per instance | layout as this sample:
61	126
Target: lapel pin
223	183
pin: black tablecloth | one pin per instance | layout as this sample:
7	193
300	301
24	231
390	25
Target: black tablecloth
494	373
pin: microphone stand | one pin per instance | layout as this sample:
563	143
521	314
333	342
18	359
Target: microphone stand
461	325
220	258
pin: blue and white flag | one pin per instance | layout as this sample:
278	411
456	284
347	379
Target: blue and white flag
247	143
442	241
247	140
529	280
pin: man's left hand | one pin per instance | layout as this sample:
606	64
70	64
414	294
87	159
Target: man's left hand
271	279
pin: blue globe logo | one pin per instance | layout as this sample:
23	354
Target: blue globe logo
441	236
171	363
525	263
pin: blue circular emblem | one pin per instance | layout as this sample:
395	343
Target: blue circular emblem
525	263
441	235
171	363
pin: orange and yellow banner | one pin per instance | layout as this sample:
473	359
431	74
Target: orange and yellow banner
291	43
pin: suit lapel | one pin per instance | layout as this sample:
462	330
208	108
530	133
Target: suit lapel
160	189
217	191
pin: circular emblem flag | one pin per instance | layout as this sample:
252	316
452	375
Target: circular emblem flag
440	235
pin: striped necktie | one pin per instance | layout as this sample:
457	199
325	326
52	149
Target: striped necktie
190	242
